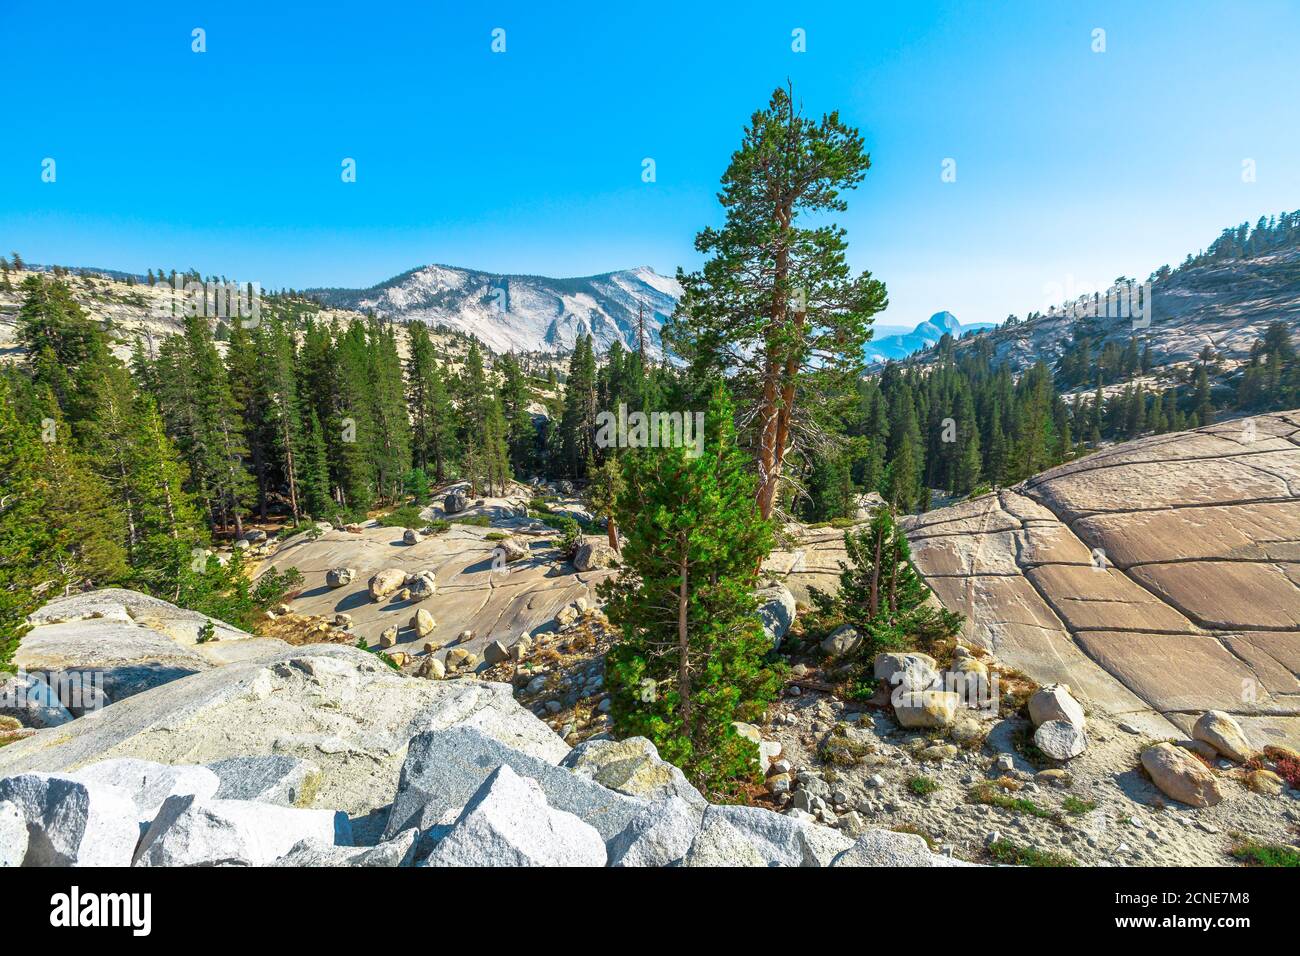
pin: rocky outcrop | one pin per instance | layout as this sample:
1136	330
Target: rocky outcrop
509	822
457	574
1158	578
272	707
86	650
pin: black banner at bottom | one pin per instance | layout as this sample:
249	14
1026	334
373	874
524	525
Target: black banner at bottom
299	905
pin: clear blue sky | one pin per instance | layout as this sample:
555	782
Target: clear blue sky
1070	163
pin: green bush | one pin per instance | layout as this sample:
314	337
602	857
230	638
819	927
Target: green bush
570	535
1253	853
477	521
407	516
923	786
1012	854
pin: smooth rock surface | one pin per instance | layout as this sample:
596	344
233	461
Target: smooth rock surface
193	832
73	822
279	779
444	769
1180	775
508	822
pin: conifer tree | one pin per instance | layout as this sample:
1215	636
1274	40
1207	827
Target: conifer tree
391	438
431	413
775	298
690	660
84	531
26	570
578	423
606	484
882	595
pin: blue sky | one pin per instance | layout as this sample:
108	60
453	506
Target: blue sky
1072	166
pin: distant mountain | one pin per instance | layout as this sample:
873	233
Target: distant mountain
523	313
899	346
1224	298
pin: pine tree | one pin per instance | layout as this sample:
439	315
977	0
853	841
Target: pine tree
882	595
84	531
775	300
578	423
606	484
391	446
690	658
26	569
431	413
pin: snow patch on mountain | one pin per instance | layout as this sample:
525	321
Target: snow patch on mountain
524	313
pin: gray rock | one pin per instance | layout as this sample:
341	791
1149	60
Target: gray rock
411	536
495	653
148	784
340	577
508	822
444	769
1055	702
751	836
385	582
279	779
193	832
454	503
1222	732
13	835
272	705
510	550
1060	739
776	611
633	767
399	851
888	848
660	835
918	670
73	822
842	641
31	701
593	556
422	585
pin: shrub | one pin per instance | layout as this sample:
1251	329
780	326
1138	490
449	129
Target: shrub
407	516
989	795
475	521
1012	854
1253	853
1286	764
223	591
923	786
883	597
1078	807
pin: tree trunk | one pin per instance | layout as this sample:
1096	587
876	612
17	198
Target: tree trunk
683	646
612	529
